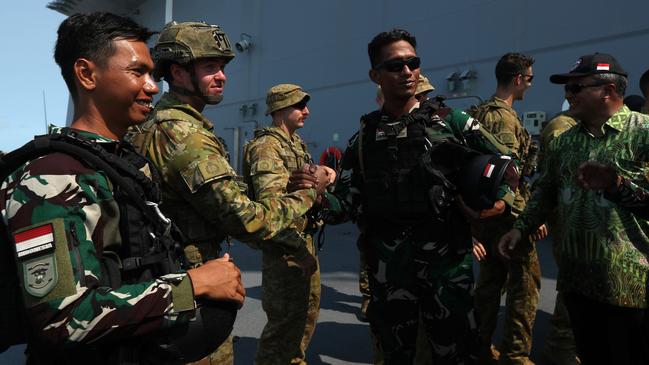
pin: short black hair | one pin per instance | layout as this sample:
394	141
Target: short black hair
91	36
510	65
385	38
644	84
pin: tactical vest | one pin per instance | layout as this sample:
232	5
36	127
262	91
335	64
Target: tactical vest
393	190
149	246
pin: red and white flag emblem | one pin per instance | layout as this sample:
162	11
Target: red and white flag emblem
488	170
603	67
34	240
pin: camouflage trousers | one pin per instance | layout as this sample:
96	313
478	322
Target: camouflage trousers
520	278
196	255
224	355
421	283
292	305
560	338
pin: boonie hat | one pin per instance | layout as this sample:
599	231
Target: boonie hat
423	85
592	64
284	95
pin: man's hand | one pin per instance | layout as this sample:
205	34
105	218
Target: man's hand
218	279
597	176
304	178
497	209
540	233
311	176
508	242
479	251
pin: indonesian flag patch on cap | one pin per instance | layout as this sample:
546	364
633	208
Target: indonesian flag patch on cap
603	67
34	240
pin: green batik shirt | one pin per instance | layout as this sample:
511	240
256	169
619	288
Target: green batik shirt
62	216
603	245
202	194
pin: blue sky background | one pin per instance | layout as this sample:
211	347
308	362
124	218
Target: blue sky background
27	67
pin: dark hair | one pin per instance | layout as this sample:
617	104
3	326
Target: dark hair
91	36
385	38
510	65
644	83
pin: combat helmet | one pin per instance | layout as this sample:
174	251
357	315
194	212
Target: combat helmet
184	43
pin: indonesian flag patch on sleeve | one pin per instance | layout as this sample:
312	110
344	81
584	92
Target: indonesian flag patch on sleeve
34	240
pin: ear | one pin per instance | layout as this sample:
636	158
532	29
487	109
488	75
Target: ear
84	71
374	75
517	79
177	72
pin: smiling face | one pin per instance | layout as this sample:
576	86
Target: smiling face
124	87
586	103
401	84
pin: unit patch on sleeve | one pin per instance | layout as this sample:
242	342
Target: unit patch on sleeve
35	253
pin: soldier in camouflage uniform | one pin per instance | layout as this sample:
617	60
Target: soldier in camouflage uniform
521	277
418	250
290	299
64	219
603	233
560	343
201	191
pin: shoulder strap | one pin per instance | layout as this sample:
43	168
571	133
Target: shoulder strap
88	152
372	117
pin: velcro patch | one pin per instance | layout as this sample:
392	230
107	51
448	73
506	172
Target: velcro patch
34	242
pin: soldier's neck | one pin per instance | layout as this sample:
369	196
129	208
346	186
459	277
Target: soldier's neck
505	94
194	101
395	108
89	118
281	125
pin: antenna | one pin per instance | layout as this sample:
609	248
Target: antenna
45	112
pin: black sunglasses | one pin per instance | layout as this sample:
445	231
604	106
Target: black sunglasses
529	77
577	88
413	63
301	105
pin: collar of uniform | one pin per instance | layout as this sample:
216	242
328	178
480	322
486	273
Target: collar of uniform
89	135
386	118
170	100
502	103
295	139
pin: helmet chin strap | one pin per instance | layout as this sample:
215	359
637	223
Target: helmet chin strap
208	99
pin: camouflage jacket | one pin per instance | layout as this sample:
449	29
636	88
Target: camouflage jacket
346	202
201	191
63	217
502	121
269	159
603	245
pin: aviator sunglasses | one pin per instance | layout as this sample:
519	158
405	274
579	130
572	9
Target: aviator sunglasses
397	65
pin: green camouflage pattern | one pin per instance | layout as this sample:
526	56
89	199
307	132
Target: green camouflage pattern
407	275
521	277
201	192
186	42
602	245
284	95
291	301
78	311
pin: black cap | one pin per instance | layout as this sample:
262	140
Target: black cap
592	64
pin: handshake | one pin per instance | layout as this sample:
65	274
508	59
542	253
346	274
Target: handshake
311	176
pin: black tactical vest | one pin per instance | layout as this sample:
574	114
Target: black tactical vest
393	190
